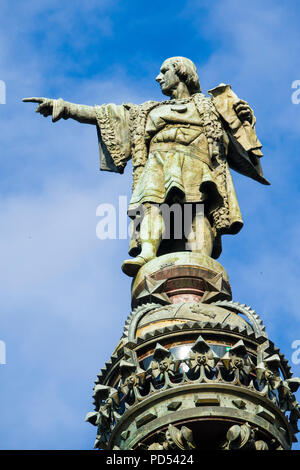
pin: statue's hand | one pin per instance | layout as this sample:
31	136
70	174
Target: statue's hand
45	106
243	111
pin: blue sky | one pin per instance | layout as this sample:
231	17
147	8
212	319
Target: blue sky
63	297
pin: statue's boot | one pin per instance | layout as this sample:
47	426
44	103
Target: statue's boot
151	233
132	266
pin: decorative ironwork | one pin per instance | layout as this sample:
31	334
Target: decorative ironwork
202	365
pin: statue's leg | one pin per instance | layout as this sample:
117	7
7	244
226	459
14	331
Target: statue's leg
151	231
200	239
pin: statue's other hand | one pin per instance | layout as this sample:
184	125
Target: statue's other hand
243	111
45	106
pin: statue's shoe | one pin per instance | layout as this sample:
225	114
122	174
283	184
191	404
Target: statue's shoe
131	266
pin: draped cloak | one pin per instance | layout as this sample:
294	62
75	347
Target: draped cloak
187	145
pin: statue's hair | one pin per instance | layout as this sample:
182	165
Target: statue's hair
187	72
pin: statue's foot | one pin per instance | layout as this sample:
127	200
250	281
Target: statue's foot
131	266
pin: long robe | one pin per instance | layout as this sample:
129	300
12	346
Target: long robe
182	147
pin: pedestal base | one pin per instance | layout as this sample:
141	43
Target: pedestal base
183	276
193	369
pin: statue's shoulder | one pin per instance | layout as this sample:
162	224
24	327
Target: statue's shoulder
141	111
148	105
201	97
205	104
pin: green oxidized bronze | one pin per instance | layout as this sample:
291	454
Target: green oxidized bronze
181	151
193	369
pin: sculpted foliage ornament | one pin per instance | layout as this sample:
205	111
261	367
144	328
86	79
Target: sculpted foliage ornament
202	359
164	366
278	390
288	402
132	381
174	439
238	363
107	404
268	375
200	366
243	438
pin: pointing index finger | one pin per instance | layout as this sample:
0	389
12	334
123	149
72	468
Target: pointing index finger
33	100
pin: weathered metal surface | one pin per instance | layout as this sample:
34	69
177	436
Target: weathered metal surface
223	409
242	383
193	368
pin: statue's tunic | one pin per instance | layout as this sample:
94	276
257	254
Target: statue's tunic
179	161
182	147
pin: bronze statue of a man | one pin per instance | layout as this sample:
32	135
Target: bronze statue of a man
181	150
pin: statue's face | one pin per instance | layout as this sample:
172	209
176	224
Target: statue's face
167	78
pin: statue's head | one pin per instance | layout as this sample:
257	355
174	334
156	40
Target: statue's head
175	70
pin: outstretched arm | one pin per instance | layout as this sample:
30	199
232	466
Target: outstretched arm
63	109
111	121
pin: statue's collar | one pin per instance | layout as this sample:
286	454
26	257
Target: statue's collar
183	100
180	101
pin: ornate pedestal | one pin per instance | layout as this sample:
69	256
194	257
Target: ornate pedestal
193	369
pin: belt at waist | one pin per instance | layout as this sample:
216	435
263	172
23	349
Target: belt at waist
189	150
